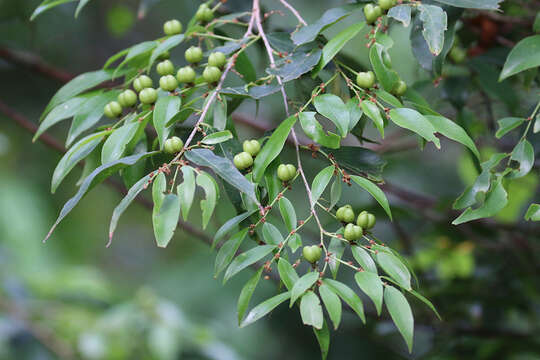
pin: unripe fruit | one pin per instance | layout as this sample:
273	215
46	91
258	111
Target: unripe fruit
211	74
243	160
165	67
193	54
252	147
127	98
400	88
204	13
387	4
186	75
352	232
148	96
217	59
387	60
168	83
370	14
378	11
458	55
366	220
172	27
286	172
345	214
312	253
173	145
112	109
365	79
142	82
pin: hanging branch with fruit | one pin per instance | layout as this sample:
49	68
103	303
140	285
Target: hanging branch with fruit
179	141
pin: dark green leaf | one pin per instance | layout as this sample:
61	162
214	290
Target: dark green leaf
386	76
332	303
347	295
288	213
295	65
243	260
164	46
264	308
315	131
287	273
496	200
228	250
82	4
309	33
400	312
255	92
47	5
373	112
473	4
245	68
388	98
508	124
426	301
523	153
311	310
186	190
246	293
320	182
271	234
358	160
355	112
323	338
229	226
372	286
302	285
337	248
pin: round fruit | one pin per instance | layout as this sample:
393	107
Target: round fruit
286	172
172	27
193	54
243	160
387	4
204	13
142	82
352	232
168	83
148	96
186	75
387	60
312	253
345	214
112	109
252	147
165	67
366	220
458	55
127	98
173	145
211	74
217	59
378	11
369	13
365	79
400	88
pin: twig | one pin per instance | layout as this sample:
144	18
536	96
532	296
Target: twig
294	12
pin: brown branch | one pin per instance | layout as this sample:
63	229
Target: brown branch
34	64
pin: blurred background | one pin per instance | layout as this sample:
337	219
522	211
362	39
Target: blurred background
74	298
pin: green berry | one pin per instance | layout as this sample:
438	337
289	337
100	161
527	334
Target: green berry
166	67
127	98
217	59
148	96
400	88
142	82
387	4
204	14
186	75
211	74
172	27
173	145
366	220
286	172
365	79
458	55
352	232
112	109
378	11
242	160
193	54
312	253
252	147
168	83
370	14
345	214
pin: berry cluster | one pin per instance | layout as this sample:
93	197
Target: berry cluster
352	232
373	12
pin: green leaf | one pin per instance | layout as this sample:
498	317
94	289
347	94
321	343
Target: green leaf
372	286
76	153
335	192
272	148
508	124
386	76
434	21
224	168
217	137
388	98
166	220
425	301
264	308
337	248
313	129
332	107
363	259
220	115
533	213
355	112
452	131
358	160
323	338
400	312
332	303
311	310
186	190
309	33
96	177
246	293
228	250
212	194
165	46
401	13
295	65
255	92
229	226
347	295
63	111
523	153
496	200
165	109
372	111
302	285
395	268
473	4
337	43
135	52
244	260
125	202
47	5
414	121
271	234
288	213
116	143
375	191
320	182
245	68
82	4
287	273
